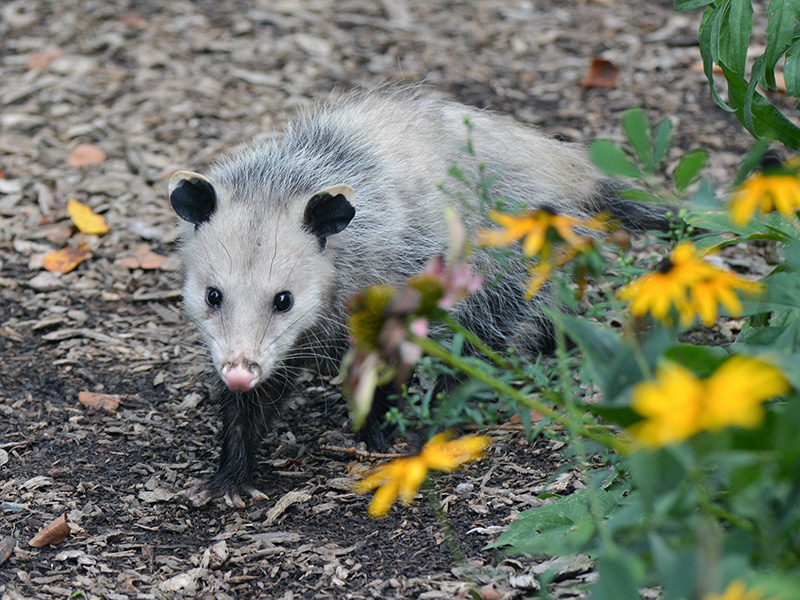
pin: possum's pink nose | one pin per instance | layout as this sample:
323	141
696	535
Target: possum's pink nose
240	378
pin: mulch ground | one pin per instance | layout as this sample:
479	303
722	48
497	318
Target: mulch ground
160	86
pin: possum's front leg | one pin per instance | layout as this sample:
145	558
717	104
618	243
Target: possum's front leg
244	417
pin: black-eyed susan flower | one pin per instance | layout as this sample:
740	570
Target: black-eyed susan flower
737	590
678	404
403	477
765	192
690	284
547	237
538	229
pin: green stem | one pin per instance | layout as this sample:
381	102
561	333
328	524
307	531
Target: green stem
444	525
603	437
479	345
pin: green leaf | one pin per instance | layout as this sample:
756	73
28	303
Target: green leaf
684	5
706	199
791	70
766	120
562	527
708	37
781	15
740	23
756	75
613	365
751	161
676	568
619	577
637	130
777	586
661	141
689	167
612	159
703	360
770	227
640	196
792	255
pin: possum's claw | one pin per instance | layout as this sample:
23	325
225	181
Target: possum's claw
234	499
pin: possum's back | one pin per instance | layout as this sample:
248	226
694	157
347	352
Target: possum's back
423	135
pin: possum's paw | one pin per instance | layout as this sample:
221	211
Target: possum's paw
200	493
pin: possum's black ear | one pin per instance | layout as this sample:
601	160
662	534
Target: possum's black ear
192	196
329	211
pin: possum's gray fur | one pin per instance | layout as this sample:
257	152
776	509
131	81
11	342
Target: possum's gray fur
253	233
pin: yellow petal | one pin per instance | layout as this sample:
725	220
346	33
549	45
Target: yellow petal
383	500
415	474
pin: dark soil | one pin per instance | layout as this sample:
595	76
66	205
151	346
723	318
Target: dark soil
160	86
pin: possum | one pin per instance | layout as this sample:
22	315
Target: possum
278	237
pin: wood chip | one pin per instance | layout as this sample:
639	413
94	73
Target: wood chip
7	545
293	497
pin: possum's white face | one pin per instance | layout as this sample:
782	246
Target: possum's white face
256	279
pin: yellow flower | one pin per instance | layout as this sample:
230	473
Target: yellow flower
688	283
536	227
403	477
736	591
736	391
678	404
765	192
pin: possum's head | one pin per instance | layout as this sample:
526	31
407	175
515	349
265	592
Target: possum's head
257	274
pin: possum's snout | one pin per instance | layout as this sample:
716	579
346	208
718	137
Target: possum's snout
241	376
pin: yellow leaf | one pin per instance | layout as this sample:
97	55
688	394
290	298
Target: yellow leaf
85	219
66	259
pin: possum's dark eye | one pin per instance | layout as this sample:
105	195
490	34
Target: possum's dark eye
213	298
283	301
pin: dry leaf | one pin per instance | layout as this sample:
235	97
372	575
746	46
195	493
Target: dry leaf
84	219
143	259
133	19
150	259
64	260
85	154
41	60
109	402
54	532
602	74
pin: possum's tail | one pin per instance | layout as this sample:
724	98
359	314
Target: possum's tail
634	216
